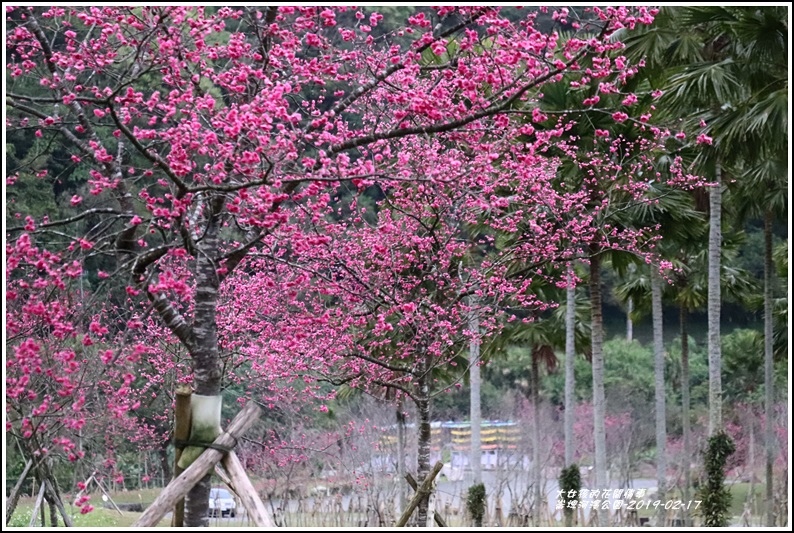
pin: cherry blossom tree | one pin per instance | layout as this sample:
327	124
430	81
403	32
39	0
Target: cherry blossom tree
197	134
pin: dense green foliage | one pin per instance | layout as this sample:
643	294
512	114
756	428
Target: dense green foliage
570	485
715	496
475	503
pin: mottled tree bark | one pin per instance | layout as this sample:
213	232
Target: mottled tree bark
424	438
205	425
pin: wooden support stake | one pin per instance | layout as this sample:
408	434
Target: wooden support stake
55	499
181	432
422	492
35	513
13	499
107	495
221	473
431	509
412	482
86	484
180	486
245	490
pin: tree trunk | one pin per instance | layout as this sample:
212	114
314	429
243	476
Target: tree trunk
53	513
661	421
475	454
206	401
685	409
424	439
769	397
629	321
570	379
536	477
400	457
205	427
165	464
599	400
182	423
714	304
52	493
751	459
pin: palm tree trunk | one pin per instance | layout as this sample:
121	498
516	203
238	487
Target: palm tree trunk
629	321
714	303
685	408
661	420
536	477
769	435
570	378
599	400
475	454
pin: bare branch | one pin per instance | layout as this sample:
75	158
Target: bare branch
65	221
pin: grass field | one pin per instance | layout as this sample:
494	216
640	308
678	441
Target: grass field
99	517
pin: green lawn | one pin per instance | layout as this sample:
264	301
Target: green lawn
739	492
99	517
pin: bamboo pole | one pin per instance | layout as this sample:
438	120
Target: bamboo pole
254	506
180	486
422	492
181	432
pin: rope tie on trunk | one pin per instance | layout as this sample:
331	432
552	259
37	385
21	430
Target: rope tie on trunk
180	444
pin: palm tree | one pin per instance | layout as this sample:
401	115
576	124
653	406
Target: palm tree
559	98
576	316
729	66
689	292
674	212
763	192
659	389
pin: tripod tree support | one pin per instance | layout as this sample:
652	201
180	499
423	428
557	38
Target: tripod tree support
423	492
206	462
